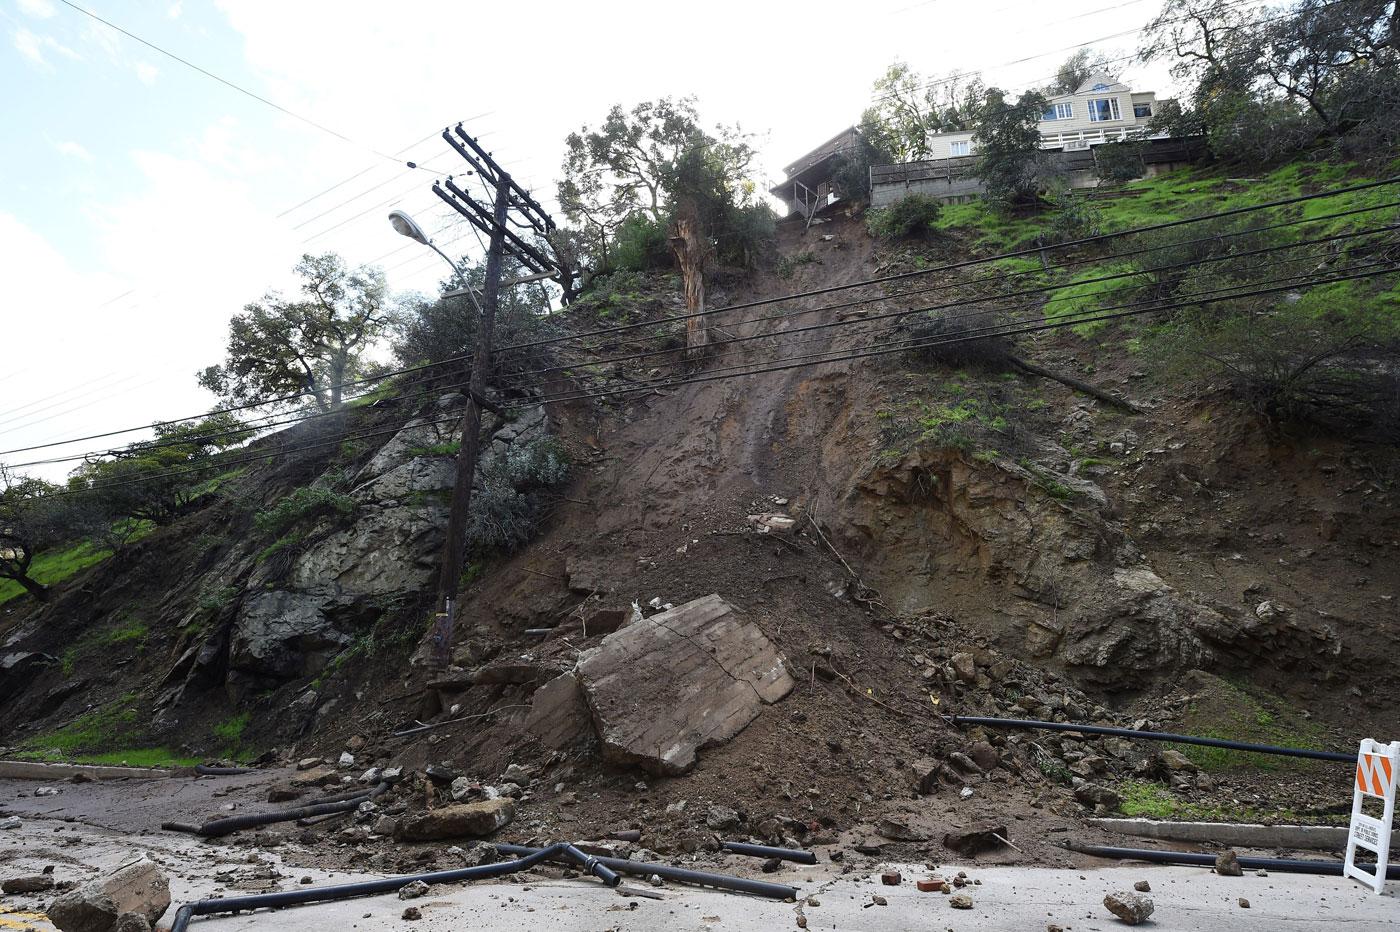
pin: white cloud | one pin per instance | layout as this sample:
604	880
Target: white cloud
73	149
146	72
29	45
39	9
175	9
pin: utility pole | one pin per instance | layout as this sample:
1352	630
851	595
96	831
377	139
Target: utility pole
509	197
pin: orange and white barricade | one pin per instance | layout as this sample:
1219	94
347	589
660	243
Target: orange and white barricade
1377	766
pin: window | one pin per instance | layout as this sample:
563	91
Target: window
1141	111
1099	87
1103	109
959	148
1058	112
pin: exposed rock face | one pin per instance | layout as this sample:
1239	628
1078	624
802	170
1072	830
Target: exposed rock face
387	551
283	634
666	687
460	820
96	906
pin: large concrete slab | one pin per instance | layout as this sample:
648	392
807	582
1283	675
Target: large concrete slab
36	770
667	686
1008	898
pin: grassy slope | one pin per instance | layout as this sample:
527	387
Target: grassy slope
1179	195
56	566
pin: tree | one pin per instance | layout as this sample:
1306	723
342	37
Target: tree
29	522
155	480
312	343
908	109
1077	69
1011	163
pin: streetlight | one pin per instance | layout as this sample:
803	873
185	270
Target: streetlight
405	225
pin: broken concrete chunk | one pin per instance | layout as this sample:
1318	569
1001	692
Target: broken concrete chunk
140	887
460	820
1132	908
689	678
773	523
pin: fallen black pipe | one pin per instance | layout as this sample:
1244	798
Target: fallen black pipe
1152	736
205	770
224	826
794	855
1282	865
774	891
234	904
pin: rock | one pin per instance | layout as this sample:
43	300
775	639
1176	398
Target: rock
722	818
12	822
895	830
284	793
372	776
926	775
387	551
984	756
459	820
1092	794
771	866
1244	903
412	913
132	922
517	773
960	901
964	763
391	775
139	887
462	787
36	883
558	714
1227	864
891	878
772	523
412	891
1132	908
283	634
1177	762
879	900
964	667
347	760
1269	611
977	840
1142	886
307	763
688	678
385	825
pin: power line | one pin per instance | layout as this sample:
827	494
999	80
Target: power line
1040	289
1014	254
226	82
1052	325
779	366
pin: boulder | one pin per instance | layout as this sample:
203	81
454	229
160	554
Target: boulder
96	906
680	681
459	820
975	841
387	551
34	883
558	714
283	634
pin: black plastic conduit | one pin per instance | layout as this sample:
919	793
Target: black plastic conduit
233	904
224	826
1152	736
1282	865
774	891
204	770
764	851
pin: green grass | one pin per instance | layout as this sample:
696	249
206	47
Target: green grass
1082	295
128	631
1237	712
448	448
56	566
1147	800
112	734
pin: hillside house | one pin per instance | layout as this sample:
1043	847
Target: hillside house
808	185
1102	109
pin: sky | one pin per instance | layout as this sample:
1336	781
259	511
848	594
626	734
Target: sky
143	203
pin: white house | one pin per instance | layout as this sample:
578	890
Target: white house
1102	109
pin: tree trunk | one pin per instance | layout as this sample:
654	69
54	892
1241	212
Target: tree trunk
33	587
1080	385
689	248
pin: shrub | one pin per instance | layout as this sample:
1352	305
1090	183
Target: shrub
506	508
958	341
302	503
910	217
1117	162
1074	217
641	245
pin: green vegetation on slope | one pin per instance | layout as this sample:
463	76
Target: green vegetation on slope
56	566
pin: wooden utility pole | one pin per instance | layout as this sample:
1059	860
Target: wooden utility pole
450	574
509	196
